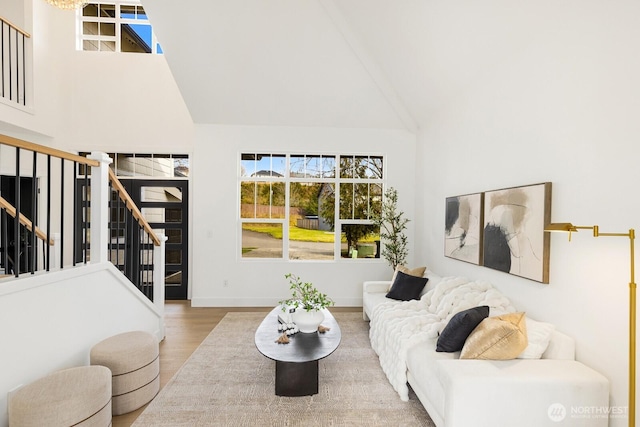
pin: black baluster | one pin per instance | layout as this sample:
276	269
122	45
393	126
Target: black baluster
16	222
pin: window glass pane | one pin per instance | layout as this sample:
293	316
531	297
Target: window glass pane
180	165
310	233
173	278
247	200
153	214
297	166
173	256
173	215
90	10
161	194
307	241
346	201
261	240
360	167
247	164
375	167
163	165
107	10
263	166
140	13
326	207
90	45
143	164
278	164
346	166
107	29
277	200
329	167
135	38
108	46
303	199
90	28
361	201
360	241
375	199
173	235
127	11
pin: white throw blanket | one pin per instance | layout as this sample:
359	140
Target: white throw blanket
398	326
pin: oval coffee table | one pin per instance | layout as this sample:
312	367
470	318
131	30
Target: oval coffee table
297	362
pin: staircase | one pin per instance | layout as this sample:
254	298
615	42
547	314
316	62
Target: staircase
60	291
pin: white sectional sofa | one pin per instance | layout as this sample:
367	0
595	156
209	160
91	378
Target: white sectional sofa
550	391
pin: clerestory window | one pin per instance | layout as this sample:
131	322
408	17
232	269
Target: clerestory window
310	206
116	26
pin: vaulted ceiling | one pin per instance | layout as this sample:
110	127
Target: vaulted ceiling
338	63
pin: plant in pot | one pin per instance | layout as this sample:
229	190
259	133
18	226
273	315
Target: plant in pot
308	302
392	225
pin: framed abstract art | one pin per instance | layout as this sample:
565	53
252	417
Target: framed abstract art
514	240
463	228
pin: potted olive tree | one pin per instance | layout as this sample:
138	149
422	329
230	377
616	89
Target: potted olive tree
392	225
308	302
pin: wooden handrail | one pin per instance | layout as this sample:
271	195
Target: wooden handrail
129	204
23	220
15	27
19	143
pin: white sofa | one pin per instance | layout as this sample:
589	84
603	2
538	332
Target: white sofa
551	391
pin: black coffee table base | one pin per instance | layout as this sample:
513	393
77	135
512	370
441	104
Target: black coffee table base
296	378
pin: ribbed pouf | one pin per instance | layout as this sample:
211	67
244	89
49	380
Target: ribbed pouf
71	397
134	360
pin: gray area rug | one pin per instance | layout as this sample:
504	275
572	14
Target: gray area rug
227	382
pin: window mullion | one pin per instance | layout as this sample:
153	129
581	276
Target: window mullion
118	29
287	209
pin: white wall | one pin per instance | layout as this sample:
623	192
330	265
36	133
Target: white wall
562	109
216	226
60	317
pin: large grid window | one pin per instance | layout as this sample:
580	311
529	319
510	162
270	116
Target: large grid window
116	26
310	206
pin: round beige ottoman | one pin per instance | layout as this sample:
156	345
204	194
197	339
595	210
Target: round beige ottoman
71	397
134	360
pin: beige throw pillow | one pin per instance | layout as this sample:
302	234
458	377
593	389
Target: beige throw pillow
417	272
497	338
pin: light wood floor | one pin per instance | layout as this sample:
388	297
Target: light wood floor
185	328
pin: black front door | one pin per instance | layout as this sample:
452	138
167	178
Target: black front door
164	204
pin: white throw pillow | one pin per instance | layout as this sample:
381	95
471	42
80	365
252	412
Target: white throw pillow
539	335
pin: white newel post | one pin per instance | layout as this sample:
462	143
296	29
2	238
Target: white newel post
54	262
100	208
158	278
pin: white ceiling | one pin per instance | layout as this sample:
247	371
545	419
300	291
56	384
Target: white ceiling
337	63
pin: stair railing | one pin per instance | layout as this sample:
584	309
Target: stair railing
14	45
89	211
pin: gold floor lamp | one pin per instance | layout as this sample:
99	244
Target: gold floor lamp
570	228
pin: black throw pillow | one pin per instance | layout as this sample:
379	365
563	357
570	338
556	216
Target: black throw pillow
406	287
460	326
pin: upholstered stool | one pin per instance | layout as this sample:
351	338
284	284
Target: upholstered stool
71	397
134	360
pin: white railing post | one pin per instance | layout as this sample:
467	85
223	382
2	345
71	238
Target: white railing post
100	198
158	278
54	262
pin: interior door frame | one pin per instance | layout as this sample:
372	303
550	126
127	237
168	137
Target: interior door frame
134	188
